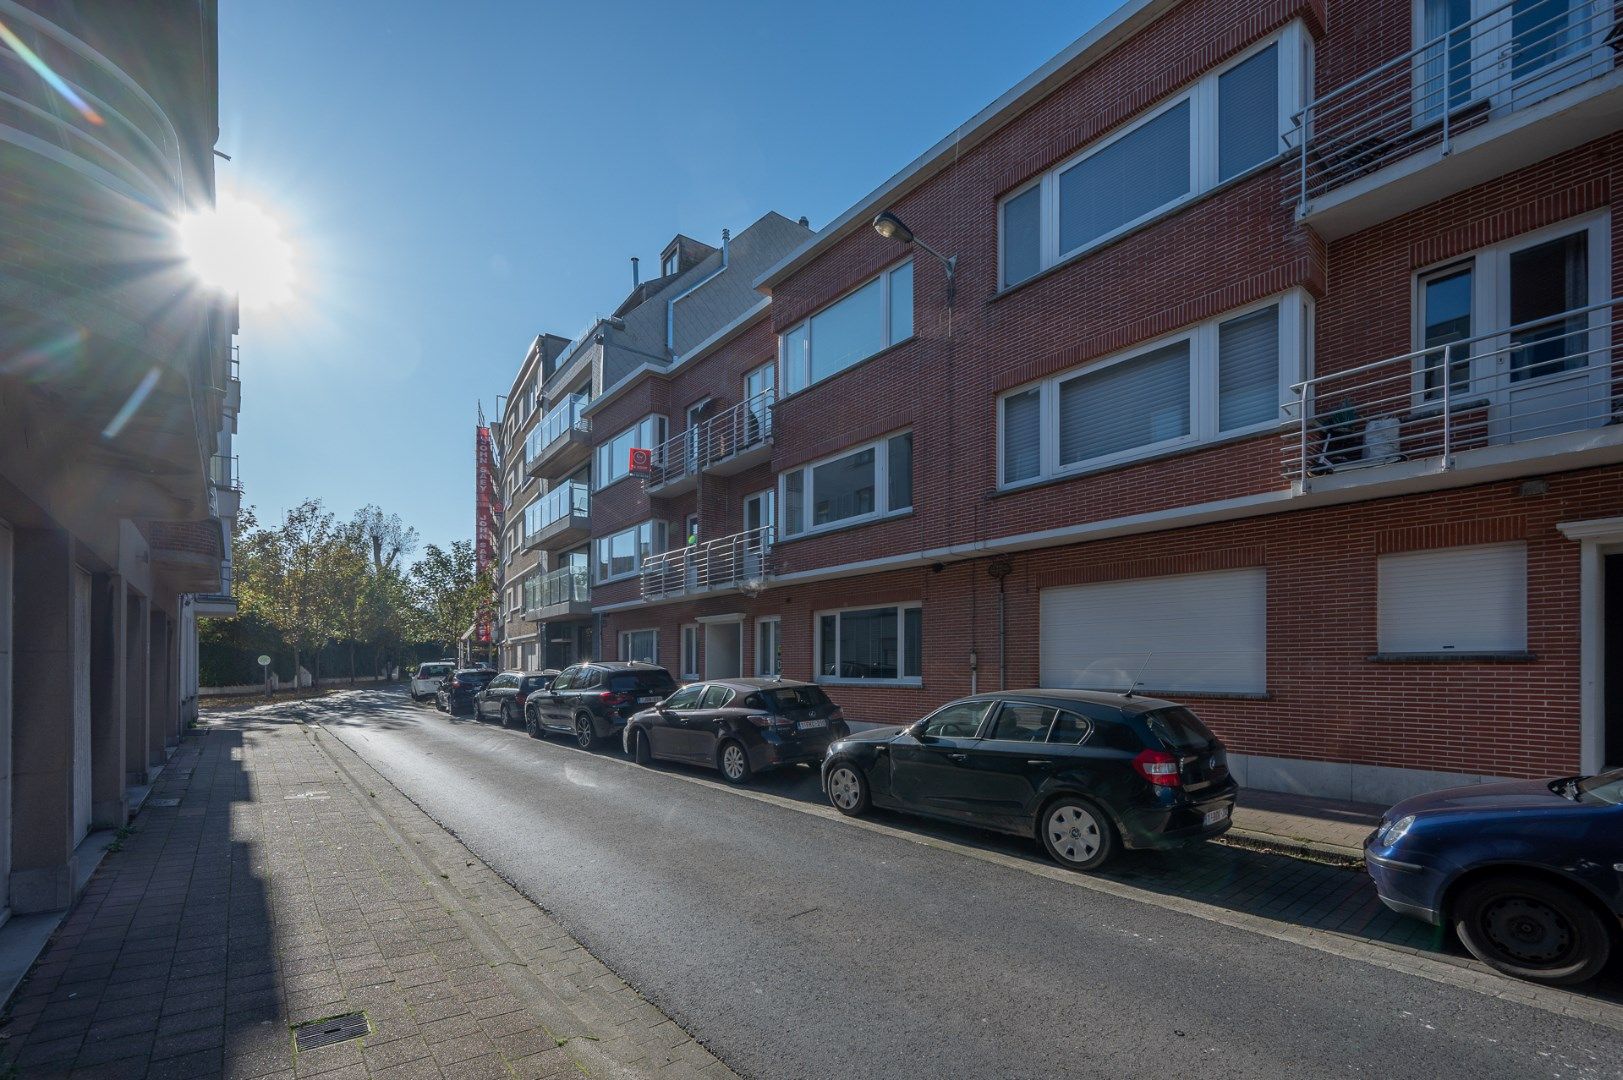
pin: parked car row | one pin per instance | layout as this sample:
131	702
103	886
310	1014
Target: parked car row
1528	874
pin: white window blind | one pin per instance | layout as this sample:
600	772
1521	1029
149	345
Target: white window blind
1248	370
1134	403
1248	114
1190	632
1464	599
1022	235
1022	435
1137	174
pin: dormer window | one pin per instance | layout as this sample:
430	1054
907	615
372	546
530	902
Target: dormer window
667	266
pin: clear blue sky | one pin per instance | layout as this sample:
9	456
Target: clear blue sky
459	176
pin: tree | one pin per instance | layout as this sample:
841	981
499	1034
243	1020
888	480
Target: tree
389	538
281	575
449	591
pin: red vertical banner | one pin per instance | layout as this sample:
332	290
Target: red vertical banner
486	511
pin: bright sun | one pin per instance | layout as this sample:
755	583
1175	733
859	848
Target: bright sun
242	249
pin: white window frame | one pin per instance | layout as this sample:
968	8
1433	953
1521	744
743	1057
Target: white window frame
625	638
602	454
689	658
1295	344
887	338
901	609
1294	75
881	500
656	545
763	670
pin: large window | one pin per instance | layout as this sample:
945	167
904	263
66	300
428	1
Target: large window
768	654
1453	600
1225	377
614	456
858	485
1230	121
853	328
867	644
640	645
622	553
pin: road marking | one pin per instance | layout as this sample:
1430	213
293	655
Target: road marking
1481	981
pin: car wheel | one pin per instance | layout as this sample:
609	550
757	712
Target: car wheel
848	789
734	762
585	733
531	728
1531	929
507	715
1077	834
640	749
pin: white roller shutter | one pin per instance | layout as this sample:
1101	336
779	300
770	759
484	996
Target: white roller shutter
1190	632
1464	599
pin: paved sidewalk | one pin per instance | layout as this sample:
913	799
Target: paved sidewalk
273	880
1303	825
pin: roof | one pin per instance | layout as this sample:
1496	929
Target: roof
1105	37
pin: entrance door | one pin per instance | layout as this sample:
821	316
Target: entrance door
758	518
1612	661
79	617
1548	381
724	649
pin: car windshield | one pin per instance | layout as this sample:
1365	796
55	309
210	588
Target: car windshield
1180	729
795	697
1607	787
650	682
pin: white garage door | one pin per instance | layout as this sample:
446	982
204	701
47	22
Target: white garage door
81	703
1189	632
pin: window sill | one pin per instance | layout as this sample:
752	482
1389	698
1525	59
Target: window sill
834	680
825	530
864	362
1453	658
1171	211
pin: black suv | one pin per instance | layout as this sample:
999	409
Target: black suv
594	701
504	696
456	693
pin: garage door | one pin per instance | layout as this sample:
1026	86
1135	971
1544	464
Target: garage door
1189	632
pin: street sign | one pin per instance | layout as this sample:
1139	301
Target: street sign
264	661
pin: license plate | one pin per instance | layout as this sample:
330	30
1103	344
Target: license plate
811	725
1214	816
649	700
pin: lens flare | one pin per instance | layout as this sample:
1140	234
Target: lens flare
241	249
43	70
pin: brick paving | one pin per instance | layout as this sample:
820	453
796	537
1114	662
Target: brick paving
291	884
1304	823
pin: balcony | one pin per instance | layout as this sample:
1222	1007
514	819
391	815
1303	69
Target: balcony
1513	86
233	387
559	518
227	484
742	561
1539	395
727	443
560	442
566	593
70	104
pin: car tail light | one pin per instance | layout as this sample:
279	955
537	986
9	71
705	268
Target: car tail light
457	684
615	698
1158	767
775	723
520	696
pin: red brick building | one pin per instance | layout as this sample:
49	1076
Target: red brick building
1273	371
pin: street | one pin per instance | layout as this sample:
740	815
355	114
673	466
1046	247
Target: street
795	943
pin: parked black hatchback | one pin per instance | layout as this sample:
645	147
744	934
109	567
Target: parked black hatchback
1085	772
456	692
504	696
739	726
593	701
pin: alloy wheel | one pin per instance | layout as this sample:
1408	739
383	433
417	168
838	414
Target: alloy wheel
584	735
1073	832
733	762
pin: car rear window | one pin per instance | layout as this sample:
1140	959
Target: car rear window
654	682
1179	729
795	697
476	676
432	670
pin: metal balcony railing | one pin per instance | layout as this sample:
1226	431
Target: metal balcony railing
1551	376
565	585
729	433
1506	59
558	422
55	89
566	500
223	472
743	560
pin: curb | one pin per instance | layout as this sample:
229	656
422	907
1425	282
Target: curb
1294	847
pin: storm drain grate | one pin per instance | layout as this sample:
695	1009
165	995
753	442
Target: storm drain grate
163	802
335	1029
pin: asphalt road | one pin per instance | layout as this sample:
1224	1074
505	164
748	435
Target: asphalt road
797	946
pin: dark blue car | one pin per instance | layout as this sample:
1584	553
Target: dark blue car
1529	873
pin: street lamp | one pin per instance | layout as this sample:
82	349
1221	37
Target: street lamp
891	227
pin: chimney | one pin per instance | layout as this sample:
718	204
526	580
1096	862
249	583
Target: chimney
805	222
634	275
726	242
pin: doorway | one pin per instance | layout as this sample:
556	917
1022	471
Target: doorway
724	649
